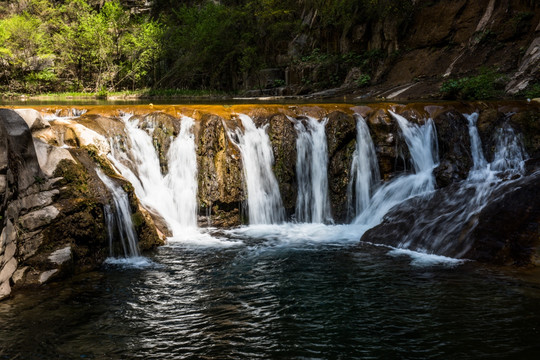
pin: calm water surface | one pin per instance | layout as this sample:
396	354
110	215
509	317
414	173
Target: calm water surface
271	300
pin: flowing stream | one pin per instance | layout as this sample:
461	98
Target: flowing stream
422	144
452	216
173	196
365	175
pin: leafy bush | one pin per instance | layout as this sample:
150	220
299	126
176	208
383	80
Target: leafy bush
486	85
363	80
532	91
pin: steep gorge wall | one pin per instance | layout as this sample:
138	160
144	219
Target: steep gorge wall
413	52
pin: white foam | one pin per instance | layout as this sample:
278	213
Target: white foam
139	262
195	237
422	259
300	233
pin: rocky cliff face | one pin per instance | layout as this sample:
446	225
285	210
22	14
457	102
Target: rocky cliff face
409	54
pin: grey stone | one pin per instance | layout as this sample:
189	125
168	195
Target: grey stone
5	290
11	248
47	275
18	275
29	244
33	118
61	256
20	145
49	156
525	74
7	238
40	200
3	183
8	270
39	218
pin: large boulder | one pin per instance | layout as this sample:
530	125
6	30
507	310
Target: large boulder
341	138
33	119
508	228
502	229
221	190
283	138
453	138
52	220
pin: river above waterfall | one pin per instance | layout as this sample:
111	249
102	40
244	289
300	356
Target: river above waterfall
277	299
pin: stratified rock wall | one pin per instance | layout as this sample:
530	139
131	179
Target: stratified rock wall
51	204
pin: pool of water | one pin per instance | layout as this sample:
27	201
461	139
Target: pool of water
275	296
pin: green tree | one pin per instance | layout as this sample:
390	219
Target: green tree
142	48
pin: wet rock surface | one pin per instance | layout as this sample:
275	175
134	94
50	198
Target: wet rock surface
283	138
454	148
341	138
505	231
52	222
221	189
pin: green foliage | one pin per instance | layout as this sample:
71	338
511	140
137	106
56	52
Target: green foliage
532	91
317	57
71	45
363	80
486	85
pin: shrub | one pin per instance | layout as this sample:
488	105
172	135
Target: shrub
486	85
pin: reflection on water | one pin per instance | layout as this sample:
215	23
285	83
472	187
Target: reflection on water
270	299
224	100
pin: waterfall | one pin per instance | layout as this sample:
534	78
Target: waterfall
509	154
422	144
182	176
172	196
365	174
313	204
264	199
479	162
119	221
452	211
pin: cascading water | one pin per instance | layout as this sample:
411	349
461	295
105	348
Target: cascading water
422	144
365	174
172	196
264	199
119	220
182	176
452	214
313	204
479	162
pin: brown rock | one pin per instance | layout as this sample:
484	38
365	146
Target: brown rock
220	171
341	138
283	138
454	148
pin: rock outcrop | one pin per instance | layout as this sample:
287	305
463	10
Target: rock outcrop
51	203
221	190
408	54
